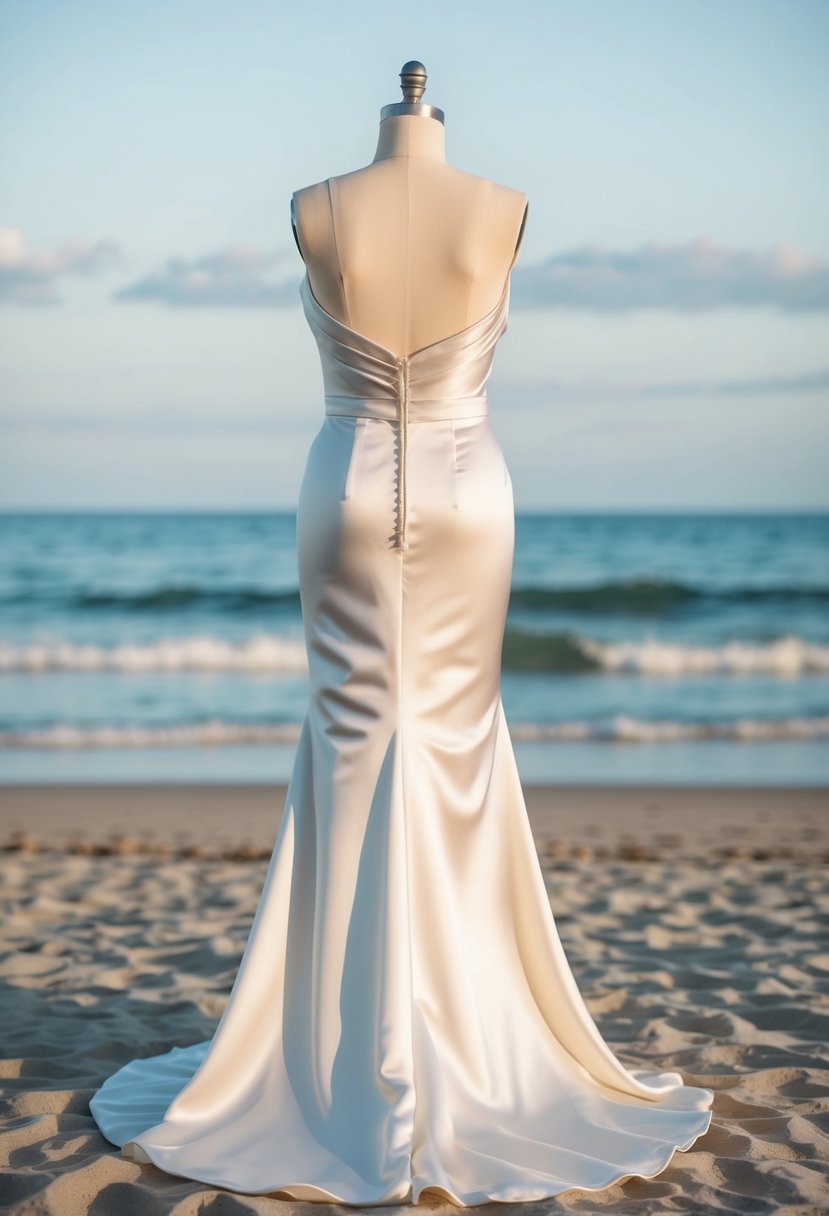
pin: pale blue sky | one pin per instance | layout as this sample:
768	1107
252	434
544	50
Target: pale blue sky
669	335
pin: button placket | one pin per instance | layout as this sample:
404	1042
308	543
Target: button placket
403	416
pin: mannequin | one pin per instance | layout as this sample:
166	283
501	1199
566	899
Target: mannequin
408	249
404	1018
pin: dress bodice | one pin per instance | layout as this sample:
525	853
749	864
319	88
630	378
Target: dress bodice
453	369
446	379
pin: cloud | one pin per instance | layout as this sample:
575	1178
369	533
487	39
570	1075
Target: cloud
695	276
32	278
231	278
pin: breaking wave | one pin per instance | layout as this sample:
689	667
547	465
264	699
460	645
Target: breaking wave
524	650
218	733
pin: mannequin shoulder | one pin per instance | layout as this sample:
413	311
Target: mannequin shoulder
310	213
504	195
308	199
508	209
509	199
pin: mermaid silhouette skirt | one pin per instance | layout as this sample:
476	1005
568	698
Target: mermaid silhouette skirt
404	1017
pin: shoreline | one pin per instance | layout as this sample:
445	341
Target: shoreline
645	823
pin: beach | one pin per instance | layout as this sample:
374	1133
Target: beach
694	920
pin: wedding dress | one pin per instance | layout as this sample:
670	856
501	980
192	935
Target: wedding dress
404	1017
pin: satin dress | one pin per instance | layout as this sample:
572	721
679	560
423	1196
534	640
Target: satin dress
404	1016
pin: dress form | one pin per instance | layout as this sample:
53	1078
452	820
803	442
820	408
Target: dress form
408	248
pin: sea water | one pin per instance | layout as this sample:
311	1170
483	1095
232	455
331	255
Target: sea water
641	647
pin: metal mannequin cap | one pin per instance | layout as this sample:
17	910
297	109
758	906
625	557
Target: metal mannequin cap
413	84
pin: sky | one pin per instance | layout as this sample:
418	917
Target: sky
668	343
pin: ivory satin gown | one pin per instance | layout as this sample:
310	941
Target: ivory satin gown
404	1016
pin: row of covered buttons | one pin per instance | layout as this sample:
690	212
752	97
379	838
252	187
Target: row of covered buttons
403	401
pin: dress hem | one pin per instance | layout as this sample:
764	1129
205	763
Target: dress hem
411	1200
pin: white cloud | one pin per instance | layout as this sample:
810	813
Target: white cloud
31	278
693	276
234	277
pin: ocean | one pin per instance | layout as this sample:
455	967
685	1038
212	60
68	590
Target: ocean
640	647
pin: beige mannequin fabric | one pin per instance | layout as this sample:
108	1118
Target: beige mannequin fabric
408	249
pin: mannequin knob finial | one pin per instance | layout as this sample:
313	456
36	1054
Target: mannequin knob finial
413	81
413	84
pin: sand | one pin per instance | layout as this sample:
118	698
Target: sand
696	922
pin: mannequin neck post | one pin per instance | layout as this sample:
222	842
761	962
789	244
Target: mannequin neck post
410	135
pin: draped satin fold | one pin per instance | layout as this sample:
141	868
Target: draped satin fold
404	1017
